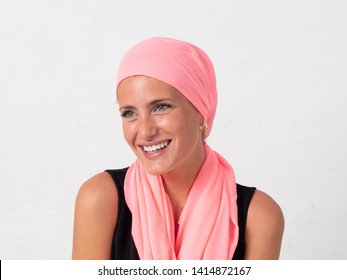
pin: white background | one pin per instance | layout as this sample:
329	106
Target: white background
281	121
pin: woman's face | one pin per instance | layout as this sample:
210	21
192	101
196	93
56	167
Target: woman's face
160	125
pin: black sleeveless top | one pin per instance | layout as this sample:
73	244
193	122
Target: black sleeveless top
123	247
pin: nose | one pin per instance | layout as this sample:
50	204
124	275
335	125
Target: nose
147	128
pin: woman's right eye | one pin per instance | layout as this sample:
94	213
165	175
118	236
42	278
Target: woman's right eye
127	114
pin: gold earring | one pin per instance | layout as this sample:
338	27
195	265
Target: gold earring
204	127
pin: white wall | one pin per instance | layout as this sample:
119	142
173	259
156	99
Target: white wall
281	122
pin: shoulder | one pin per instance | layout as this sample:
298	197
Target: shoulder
264	227
264	208
96	212
97	194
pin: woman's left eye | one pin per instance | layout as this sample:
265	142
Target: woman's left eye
162	107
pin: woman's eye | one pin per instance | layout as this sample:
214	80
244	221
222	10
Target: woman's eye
162	107
127	114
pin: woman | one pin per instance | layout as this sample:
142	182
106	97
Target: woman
179	199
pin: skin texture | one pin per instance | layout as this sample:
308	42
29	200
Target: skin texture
154	112
96	212
264	228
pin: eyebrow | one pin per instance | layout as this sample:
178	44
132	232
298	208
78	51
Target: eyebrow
150	104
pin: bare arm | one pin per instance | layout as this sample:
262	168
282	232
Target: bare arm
264	228
96	212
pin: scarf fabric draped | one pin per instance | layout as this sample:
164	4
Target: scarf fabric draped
208	223
208	226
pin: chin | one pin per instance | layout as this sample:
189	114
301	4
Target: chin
154	170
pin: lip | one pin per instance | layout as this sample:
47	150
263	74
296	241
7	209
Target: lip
156	154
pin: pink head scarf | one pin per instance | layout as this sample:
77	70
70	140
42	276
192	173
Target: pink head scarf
179	64
208	226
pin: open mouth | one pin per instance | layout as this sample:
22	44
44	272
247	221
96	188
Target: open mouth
156	148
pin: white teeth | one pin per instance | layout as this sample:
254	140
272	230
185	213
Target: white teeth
154	148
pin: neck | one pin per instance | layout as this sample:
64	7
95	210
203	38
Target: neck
179	182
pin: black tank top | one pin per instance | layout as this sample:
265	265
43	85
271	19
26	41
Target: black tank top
123	247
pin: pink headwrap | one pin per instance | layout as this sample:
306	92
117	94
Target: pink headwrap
179	64
208	223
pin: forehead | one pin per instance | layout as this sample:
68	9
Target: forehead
143	88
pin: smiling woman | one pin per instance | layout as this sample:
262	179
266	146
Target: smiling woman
179	199
162	127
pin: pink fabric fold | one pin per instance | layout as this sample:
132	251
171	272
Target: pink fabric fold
208	223
208	227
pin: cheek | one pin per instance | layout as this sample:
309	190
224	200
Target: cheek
191	130
171	123
128	133
182	125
